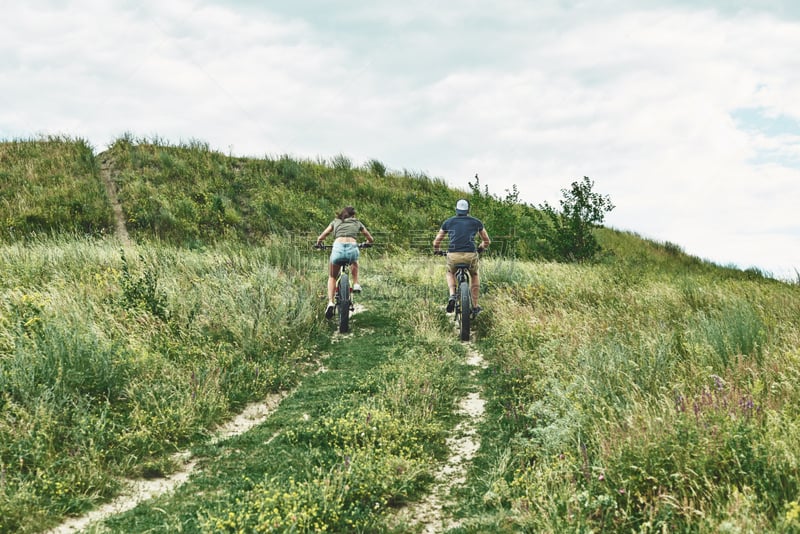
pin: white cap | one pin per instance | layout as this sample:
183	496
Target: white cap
462	207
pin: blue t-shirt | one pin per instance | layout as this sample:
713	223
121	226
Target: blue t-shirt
461	230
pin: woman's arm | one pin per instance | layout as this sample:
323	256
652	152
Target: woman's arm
324	234
367	234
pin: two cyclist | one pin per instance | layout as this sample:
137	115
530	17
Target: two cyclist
461	230
345	229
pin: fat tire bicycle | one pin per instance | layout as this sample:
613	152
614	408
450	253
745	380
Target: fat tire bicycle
343	291
464	311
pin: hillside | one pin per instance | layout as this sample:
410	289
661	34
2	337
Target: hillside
188	195
647	391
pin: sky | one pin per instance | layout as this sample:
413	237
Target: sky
685	113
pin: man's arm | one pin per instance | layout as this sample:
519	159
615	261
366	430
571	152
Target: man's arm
485	241
437	241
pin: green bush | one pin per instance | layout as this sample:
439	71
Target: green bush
569	234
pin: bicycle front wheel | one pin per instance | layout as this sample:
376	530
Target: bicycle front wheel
344	304
466	310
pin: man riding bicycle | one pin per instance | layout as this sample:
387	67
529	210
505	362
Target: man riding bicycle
461	230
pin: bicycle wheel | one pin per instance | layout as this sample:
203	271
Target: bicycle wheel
465	309
344	303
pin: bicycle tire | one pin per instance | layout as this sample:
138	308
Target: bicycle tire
344	304
465	309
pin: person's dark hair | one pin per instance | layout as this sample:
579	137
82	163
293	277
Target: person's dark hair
348	211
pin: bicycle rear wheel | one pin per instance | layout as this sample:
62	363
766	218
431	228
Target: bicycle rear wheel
465	309
344	303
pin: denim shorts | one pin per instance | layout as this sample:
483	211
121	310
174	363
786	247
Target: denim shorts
344	252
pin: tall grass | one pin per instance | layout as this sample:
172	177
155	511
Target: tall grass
351	444
110	361
661	401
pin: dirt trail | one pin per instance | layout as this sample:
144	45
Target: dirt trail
106	166
464	444
140	490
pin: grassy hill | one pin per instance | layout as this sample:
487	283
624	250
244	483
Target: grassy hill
648	391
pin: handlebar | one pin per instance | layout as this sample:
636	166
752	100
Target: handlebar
480	250
360	245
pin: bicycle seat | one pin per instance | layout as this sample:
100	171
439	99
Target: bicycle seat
341	263
461	266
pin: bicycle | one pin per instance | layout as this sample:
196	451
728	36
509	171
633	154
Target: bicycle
464	311
343	291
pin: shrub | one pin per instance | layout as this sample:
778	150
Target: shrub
569	233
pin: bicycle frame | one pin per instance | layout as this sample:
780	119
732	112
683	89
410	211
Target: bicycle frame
464	306
343	297
463	309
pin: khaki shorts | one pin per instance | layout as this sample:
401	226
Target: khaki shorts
463	257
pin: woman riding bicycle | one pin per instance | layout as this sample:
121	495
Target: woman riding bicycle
345	228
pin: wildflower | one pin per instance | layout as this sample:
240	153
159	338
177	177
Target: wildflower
718	383
792	511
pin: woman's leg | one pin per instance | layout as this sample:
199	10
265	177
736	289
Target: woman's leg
354	272
333	275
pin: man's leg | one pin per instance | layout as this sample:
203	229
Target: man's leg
451	286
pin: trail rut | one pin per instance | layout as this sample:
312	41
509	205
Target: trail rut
106	169
140	490
464	443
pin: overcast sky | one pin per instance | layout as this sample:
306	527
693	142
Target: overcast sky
686	113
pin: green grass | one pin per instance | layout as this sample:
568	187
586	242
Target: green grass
666	401
108	363
51	185
349	446
648	391
192	196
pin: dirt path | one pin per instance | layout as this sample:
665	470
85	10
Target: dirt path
106	166
430	516
463	444
140	490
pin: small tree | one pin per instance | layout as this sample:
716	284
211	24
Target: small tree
509	221
568	233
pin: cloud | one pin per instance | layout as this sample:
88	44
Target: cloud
643	100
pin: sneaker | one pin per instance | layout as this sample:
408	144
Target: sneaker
476	310
451	304
329	310
357	288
